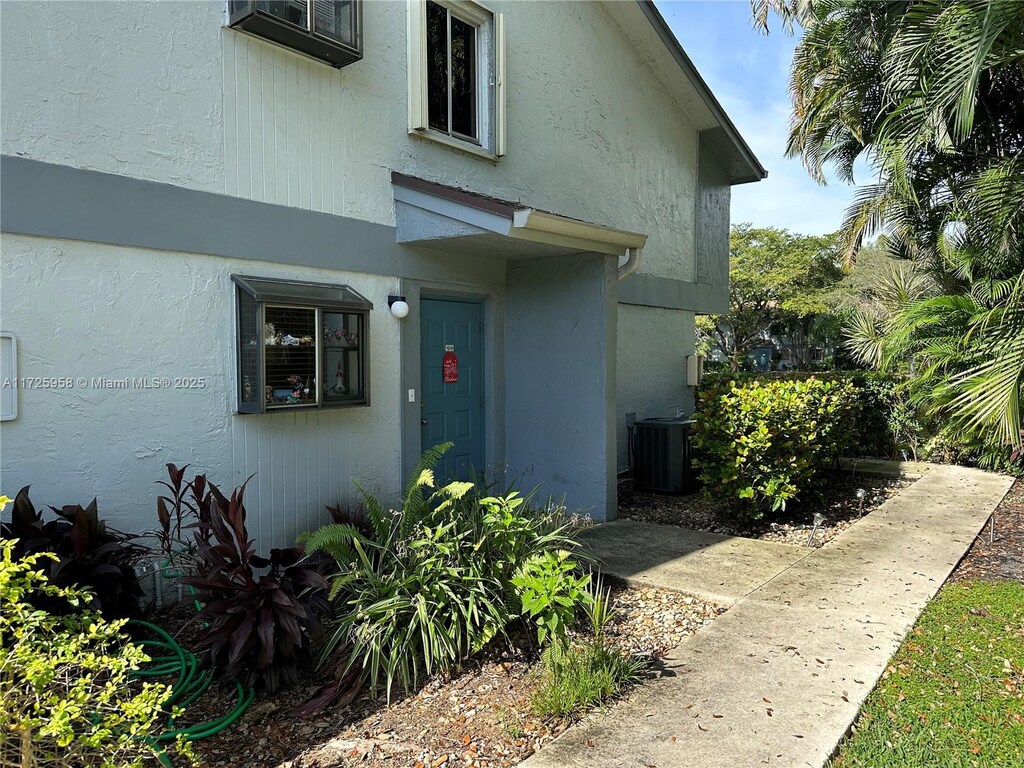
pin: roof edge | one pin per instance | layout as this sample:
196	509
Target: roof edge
661	26
513	219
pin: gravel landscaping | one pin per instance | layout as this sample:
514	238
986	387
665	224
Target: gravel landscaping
998	552
837	501
480	717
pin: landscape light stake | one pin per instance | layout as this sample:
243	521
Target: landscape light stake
992	528
818	520
861	496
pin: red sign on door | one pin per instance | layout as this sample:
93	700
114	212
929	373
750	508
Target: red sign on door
450	366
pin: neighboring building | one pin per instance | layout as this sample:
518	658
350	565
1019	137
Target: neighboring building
503	168
778	348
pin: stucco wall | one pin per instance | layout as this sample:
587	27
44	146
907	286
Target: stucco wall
712	220
162	91
129	88
84	310
560	369
652	348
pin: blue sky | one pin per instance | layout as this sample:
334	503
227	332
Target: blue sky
749	73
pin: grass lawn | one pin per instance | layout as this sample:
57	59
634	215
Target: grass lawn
954	693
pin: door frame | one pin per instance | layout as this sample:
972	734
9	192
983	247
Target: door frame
492	305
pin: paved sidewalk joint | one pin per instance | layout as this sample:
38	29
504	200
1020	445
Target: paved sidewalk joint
710	566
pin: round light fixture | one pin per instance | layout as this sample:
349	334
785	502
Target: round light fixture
399	308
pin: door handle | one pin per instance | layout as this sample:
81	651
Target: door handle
423	422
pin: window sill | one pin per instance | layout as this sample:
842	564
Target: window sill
462	146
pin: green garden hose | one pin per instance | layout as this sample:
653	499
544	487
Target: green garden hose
168	659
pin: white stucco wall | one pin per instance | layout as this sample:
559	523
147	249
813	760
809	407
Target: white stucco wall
85	311
127	88
163	91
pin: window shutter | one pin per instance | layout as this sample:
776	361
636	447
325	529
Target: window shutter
499	84
334	19
418	118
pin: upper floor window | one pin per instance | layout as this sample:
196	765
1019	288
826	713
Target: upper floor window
329	30
456	74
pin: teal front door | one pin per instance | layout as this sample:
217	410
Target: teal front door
452	384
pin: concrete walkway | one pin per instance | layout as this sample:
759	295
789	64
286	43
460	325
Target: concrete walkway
718	568
779	678
909	469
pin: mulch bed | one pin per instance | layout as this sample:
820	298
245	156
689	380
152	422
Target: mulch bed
998	552
480	717
836	500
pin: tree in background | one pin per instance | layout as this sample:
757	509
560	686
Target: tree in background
929	93
776	277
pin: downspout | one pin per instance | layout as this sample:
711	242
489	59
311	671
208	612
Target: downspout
632	263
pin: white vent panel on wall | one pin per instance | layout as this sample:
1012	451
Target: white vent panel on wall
8	377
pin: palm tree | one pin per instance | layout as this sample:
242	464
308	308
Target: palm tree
928	92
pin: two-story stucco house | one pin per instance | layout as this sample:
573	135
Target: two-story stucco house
307	240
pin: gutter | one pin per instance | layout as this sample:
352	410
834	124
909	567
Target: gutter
632	263
531	224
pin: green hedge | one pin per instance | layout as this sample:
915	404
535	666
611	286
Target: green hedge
762	439
886	424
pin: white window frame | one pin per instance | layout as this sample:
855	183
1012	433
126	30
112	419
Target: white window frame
490	106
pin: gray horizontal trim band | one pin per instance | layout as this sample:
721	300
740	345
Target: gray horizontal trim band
654	291
47	200
59	201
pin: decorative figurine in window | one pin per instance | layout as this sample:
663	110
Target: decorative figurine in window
246	389
299	391
339	381
269	334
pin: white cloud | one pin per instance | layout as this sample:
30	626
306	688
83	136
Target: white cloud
789	197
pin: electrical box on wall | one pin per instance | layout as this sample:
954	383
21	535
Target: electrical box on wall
694	370
8	377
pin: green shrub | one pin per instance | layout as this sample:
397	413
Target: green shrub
888	423
65	679
550	591
576	677
421	588
950	446
762	440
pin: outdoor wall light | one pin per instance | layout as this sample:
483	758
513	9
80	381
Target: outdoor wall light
398	306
